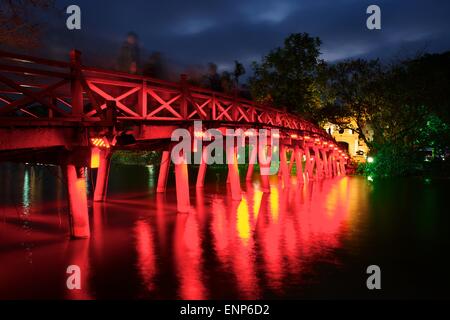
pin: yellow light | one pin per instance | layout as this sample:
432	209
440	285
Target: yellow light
199	134
95	158
243	223
100	142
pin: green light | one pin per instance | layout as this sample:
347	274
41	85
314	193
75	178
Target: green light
370	159
370	178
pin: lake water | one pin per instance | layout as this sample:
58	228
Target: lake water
306	241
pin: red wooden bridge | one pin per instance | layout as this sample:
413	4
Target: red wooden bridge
75	116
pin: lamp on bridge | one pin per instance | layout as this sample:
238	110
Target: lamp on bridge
100	142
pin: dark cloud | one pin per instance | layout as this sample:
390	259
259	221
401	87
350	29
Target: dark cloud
199	31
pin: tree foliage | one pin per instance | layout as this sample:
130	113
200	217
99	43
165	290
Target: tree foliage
353	95
239	70
291	76
19	28
404	106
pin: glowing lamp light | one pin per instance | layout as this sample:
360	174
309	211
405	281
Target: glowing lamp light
199	134
100	142
370	159
370	178
306	137
317	140
294	136
249	133
95	158
324	143
275	135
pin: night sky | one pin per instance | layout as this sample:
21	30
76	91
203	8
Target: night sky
191	32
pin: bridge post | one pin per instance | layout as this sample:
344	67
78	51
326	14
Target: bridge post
76	87
163	172
331	165
335	164
251	163
318	162
325	162
342	163
264	167
299	164
309	163
233	173
101	183
338	164
78	208
202	169
182	186
284	166
291	162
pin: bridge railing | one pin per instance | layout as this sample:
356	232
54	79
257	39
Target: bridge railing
36	88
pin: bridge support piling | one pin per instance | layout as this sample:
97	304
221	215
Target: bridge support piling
233	174
318	162
342	163
78	208
101	183
298	152
182	186
335	165
252	161
330	165
325	162
284	166
163	172
202	169
264	159
309	164
291	162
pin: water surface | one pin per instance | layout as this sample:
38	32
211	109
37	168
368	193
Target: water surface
305	241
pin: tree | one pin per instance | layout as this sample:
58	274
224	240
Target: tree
291	76
212	79
18	26
404	104
354	97
239	70
226	83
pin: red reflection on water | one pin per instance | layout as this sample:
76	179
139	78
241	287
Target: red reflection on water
286	228
78	255
263	243
188	257
145	253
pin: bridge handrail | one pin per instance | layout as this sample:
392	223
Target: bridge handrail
91	72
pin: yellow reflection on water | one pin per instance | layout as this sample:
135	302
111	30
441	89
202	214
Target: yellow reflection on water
242	221
274	203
